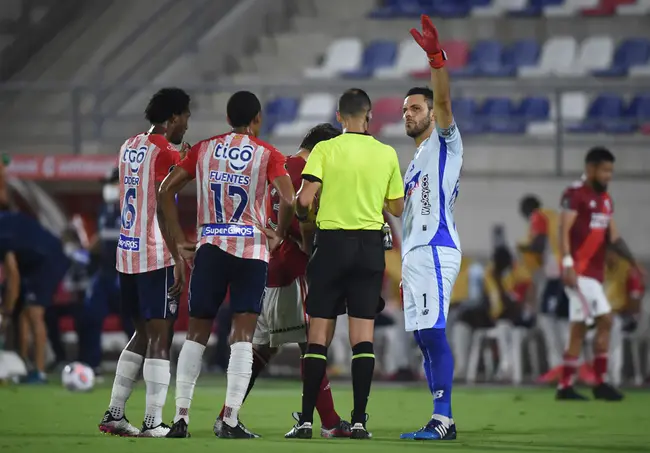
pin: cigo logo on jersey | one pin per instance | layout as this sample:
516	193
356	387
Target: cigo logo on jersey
134	157
237	158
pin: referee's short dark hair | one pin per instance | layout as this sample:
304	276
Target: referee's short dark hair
598	155
354	102
319	133
424	91
166	103
242	108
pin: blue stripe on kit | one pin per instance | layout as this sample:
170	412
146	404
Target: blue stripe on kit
442	238
441	321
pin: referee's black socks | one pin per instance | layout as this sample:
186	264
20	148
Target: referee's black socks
363	367
314	367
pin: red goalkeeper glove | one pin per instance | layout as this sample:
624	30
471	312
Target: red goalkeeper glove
430	43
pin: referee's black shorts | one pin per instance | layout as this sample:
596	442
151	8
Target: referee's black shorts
346	270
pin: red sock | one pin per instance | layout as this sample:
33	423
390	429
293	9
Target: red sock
600	368
569	368
325	405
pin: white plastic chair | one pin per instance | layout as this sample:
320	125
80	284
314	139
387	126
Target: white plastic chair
596	53
342	55
409	59
558	54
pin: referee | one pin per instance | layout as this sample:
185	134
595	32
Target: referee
358	177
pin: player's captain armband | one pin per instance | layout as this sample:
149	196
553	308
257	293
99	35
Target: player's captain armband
449	131
567	262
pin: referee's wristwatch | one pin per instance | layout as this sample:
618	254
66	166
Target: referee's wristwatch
302	218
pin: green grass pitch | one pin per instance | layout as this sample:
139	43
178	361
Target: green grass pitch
51	419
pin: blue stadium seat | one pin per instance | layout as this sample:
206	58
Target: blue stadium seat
631	52
466	116
485	59
450	8
535	7
279	110
605	114
378	54
499	116
397	8
638	112
479	3
534	109
522	53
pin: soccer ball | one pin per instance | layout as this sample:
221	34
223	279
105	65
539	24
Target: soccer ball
78	377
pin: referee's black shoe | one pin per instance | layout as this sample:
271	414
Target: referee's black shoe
299	431
178	430
359	431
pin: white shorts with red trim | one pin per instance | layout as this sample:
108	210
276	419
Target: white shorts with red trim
588	301
283	319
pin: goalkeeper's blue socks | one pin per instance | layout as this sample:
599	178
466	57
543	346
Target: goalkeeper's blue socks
441	369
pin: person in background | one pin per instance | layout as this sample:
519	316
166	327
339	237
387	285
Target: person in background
507	285
541	254
73	288
625	289
103	294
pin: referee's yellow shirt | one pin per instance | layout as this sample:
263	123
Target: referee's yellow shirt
357	174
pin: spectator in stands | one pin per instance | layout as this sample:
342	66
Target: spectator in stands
625	289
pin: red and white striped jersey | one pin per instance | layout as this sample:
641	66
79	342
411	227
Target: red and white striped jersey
144	161
232	174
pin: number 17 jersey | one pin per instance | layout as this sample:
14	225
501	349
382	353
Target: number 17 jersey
232	174
145	160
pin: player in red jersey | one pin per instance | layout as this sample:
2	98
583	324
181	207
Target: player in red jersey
151	275
283	319
232	172
587	229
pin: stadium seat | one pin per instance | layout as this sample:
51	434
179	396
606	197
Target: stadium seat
451	8
630	53
499	116
386	111
639	8
379	54
524	53
604	114
280	110
606	7
397	8
570	8
466	116
342	55
534	109
638	112
410	58
485	59
458	54
314	108
595	54
558	55
536	7
498	8
573	108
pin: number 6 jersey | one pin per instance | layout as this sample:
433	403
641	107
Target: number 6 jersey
145	160
232	174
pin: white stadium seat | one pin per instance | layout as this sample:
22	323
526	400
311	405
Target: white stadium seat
314	108
596	53
640	71
574	107
639	8
499	8
394	130
570	8
558	54
409	59
342	55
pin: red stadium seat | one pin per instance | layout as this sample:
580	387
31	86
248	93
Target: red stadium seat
458	54
66	324
606	7
645	129
385	111
112	324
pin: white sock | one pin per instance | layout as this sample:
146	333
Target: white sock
240	368
126	374
156	376
187	372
